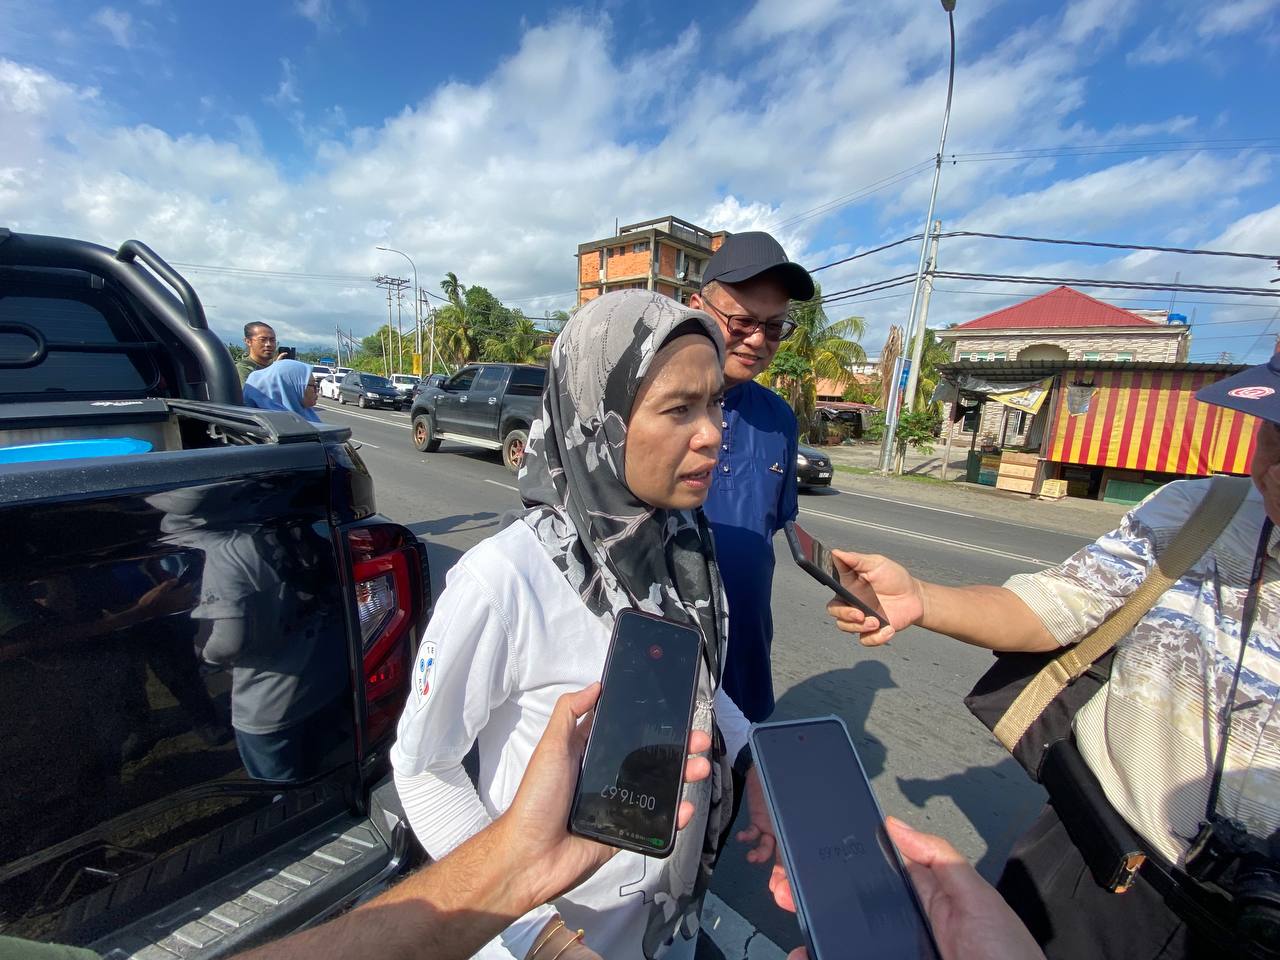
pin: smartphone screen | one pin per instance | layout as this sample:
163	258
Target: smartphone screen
853	897
633	769
813	555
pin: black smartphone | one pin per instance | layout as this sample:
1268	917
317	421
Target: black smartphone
633	769
287	353
815	559
853	896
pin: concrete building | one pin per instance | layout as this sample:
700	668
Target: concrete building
1060	325
666	255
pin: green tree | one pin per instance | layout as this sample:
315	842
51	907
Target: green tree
933	354
455	337
523	343
819	349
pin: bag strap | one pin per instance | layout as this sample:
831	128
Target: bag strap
1220	503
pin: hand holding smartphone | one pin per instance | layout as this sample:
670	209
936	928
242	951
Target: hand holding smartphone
813	557
853	897
628	792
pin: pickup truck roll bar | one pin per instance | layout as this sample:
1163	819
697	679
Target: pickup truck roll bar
184	317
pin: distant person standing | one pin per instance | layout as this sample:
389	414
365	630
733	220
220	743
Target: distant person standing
747	287
259	349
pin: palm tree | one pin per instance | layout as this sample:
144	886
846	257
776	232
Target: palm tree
524	344
454	333
934	352
819	349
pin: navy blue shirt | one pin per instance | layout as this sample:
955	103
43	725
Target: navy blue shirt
752	496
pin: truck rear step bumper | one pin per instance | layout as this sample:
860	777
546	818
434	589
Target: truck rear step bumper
301	883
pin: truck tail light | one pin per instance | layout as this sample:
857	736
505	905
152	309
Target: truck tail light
390	602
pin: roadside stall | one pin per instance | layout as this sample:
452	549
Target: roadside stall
1108	430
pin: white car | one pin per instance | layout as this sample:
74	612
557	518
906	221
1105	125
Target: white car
404	383
329	386
318	373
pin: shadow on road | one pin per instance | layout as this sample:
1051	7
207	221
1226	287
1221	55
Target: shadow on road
850	694
459	523
972	790
820	491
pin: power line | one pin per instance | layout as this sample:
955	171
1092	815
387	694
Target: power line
866	253
1118	149
863	192
1116	284
1018	296
1191	251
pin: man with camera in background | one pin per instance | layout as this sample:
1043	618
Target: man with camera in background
1181	744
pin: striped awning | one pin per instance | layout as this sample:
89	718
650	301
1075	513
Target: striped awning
1151	421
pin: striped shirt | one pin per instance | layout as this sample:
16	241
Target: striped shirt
1151	736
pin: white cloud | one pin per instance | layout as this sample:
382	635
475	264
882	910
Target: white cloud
319	12
1227	19
287	90
118	23
499	179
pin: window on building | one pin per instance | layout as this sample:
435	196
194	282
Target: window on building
616	251
1092	355
1128	357
641	247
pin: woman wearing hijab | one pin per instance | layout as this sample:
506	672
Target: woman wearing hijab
614	475
285	385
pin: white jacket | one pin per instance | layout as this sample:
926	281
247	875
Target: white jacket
508	637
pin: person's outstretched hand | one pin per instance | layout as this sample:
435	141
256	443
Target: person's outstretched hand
900	595
969	918
545	857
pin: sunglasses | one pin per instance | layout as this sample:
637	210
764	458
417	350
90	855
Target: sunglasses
744	325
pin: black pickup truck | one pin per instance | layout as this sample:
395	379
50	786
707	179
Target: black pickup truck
207	631
490	405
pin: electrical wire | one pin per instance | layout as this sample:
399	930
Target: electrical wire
1190	251
1116	284
866	253
894	178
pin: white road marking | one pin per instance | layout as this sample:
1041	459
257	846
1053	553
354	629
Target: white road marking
364	416
733	934
954	513
366	443
507	485
1035	561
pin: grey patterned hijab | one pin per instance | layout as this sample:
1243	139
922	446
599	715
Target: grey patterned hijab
617	551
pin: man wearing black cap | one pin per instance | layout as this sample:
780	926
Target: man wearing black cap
1182	742
748	286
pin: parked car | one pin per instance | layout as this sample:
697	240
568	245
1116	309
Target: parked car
319	372
341	372
490	405
180	573
404	384
813	467
430	380
369	390
329	387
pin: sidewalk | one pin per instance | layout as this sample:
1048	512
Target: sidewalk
1089	518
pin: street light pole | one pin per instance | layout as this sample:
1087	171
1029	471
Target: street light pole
917	336
417	312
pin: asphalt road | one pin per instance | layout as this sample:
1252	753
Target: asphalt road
930	762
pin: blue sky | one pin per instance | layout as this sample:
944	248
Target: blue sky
491	139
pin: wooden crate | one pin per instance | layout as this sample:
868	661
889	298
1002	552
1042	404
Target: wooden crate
1021	459
1053	489
1015	484
1018	471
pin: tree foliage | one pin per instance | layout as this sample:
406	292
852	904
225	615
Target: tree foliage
819	349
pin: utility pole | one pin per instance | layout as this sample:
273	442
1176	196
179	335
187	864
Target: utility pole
417	311
917	344
390	284
891	412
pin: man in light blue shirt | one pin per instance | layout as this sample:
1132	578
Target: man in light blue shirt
748	286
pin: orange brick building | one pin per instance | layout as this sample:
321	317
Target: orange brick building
666	255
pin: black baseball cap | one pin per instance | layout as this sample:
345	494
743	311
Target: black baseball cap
746	255
1255	391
